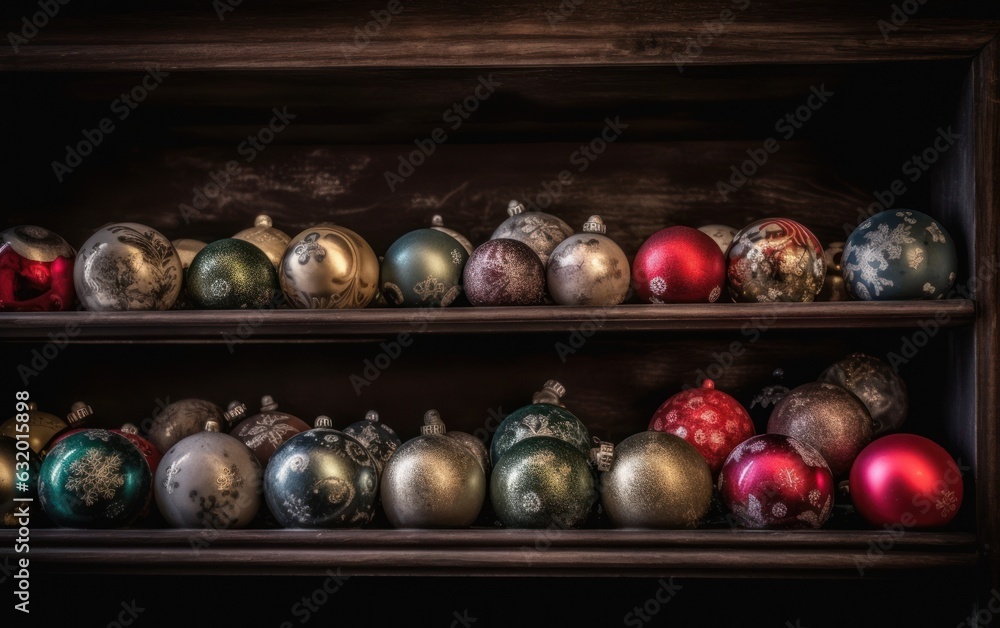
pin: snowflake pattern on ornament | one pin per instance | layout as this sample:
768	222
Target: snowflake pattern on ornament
95	476
882	245
456	257
936	234
789	478
531	503
779	510
102	435
297	508
658	285
929	288
715	294
270	429
946	503
809	455
914	257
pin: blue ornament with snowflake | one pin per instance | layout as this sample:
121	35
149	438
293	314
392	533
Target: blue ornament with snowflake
899	255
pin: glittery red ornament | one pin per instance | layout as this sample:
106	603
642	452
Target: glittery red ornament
709	419
36	270
775	481
679	265
146	448
908	480
504	272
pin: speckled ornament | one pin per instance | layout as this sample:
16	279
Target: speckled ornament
540	231
473	445
186	250
541	418
877	386
826	417
899	254
773	260
774	481
722	235
329	267
17	482
423	269
588	268
42	427
378	438
678	265
36	270
208	480
127	266
181	419
504	272
267	238
834	288
437	223
231	274
267	430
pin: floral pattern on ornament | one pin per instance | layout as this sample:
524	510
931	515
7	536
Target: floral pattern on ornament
95	476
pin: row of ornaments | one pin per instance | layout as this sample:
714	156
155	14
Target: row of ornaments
532	256
540	468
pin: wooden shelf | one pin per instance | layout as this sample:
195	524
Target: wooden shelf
329	324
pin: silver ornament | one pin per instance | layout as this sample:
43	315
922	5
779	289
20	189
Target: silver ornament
182	419
879	387
329	267
437	223
265	237
540	231
589	268
475	446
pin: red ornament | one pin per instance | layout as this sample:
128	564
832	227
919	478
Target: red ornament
908	480
709	419
679	265
776	481
36	270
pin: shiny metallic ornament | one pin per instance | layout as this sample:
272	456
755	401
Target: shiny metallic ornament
542	418
775	260
231	274
423	269
722	234
588	268
36	270
826	417
655	480
543	483
321	478
834	288
540	231
475	446
329	267
17	482
679	265
186	250
378	438
77	419
94	479
504	272
127	266
42	427
267	238
182	419
899	254
437	223
265	431
877	386
433	481
208	480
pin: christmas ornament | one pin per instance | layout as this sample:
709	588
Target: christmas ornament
437	223
41	427
127	266
655	480
36	270
433	481
16	482
208	480
321	478
775	259
679	265
265	237
76	421
186	251
423	268
504	272
834	288
94	479
764	401
722	235
588	268
546	416
709	419
146	448
540	231
231	274
543	482
899	254
472	444
775	481
908	480
877	386
264	432
181	419
827	418
329	267
378	438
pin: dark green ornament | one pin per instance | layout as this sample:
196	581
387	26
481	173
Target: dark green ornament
543	482
544	417
94	479
423	269
231	274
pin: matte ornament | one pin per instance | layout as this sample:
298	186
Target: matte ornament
423	269
907	480
775	260
378	438
42	427
679	265
774	481
656	480
437	223
588	268
826	417
722	235
264	432
17	482
899	254
267	238
181	419
127	266
543	483
36	270
231	274
542	418
94	479
709	419
540	231
329	267
877	386
504	272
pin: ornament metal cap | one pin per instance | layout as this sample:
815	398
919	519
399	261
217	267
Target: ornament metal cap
129	428
32	406
235	412
437	220
602	455
594	225
268	404
372	416
432	423
551	393
263	220
212	425
514	208
78	412
323	422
